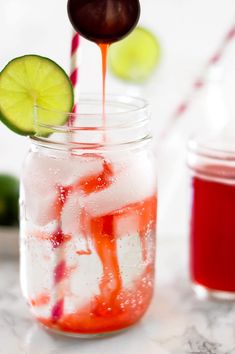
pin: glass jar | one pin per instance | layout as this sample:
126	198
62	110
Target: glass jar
88	218
212	227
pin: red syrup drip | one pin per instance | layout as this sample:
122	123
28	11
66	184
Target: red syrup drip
104	52
212	234
41	300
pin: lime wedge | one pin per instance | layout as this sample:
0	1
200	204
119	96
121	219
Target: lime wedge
33	80
135	57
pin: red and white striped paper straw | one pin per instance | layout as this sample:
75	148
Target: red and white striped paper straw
60	276
74	65
200	82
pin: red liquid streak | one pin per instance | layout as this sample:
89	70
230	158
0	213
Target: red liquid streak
58	238
40	300
213	235
114	308
102	230
90	184
84	252
104	52
96	183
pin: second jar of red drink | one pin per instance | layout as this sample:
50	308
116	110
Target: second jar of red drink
212	225
88	219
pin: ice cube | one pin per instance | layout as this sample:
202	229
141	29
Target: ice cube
70	217
42	175
133	181
84	279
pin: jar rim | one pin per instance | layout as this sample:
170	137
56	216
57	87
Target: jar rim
126	121
207	150
129	106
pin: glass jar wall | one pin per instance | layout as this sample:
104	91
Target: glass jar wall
88	219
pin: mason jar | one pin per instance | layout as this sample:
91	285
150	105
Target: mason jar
212	223
88	218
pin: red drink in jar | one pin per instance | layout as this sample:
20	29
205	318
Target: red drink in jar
212	227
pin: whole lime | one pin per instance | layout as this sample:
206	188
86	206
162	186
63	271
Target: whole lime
9	196
135	58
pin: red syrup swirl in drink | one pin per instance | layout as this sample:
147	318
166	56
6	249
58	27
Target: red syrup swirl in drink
212	233
114	307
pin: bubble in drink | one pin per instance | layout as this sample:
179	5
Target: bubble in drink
104	21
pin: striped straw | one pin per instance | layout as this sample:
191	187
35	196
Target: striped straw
200	82
74	68
60	271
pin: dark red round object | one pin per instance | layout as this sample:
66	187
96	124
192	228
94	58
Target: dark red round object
104	21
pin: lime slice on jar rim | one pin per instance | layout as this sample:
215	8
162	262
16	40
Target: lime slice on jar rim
136	57
30	81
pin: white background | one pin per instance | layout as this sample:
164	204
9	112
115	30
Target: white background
189	31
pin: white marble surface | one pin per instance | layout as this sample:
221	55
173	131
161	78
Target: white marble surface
176	322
